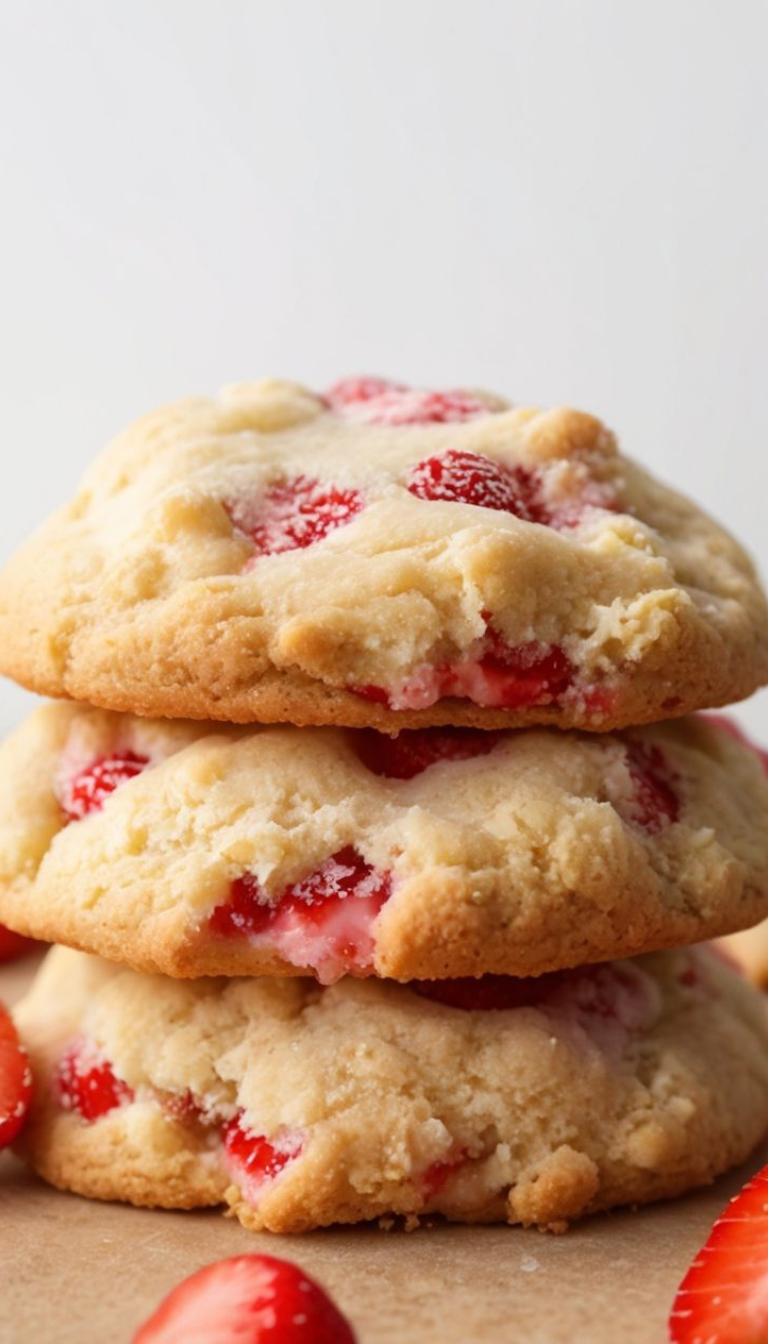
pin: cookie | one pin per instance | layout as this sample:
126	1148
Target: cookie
527	1101
194	850
381	557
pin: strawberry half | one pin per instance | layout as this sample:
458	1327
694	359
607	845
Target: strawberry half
248	1299
723	1298
15	1081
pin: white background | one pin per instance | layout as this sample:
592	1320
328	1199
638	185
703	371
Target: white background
564	200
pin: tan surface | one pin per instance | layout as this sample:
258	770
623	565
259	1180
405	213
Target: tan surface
76	1272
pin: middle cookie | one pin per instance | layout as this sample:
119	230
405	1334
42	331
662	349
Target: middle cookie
197	850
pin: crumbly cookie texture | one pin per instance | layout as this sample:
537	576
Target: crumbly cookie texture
381	557
302	1106
194	850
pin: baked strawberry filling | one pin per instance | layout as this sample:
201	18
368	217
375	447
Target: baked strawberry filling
324	923
609	1002
654	803
293	515
470	478
86	791
85	1082
501	677
414	750
377	401
437	1175
256	1161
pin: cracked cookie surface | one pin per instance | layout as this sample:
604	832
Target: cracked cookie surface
379	556
302	1106
193	850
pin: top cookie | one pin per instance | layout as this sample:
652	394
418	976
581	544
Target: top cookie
381	557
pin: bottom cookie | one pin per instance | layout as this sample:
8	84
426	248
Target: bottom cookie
526	1101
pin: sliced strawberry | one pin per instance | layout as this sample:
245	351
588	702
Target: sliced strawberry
323	922
416	749
15	1081
248	1299
723	1298
87	791
295	514
14	944
350	391
655	804
85	1082
470	478
255	1160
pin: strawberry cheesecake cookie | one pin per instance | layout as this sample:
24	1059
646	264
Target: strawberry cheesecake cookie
194	850
377	556
501	1099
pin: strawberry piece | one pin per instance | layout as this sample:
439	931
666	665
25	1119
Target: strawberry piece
614	992
723	1298
490	993
14	944
15	1081
514	677
87	791
471	478
408	406
322	922
437	1175
350	391
256	1160
295	514
247	1299
655	804
85	1082
415	750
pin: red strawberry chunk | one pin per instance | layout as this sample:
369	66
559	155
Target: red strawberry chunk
723	1298
14	944
655	804
85	1082
614	992
89	788
323	922
415	750
256	1160
248	1299
471	478
295	514
350	391
437	1175
408	406
15	1081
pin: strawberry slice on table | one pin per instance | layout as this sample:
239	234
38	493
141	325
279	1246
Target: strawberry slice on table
14	944
723	1298
15	1081
248	1299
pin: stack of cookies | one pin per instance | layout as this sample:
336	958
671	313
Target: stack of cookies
369	820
